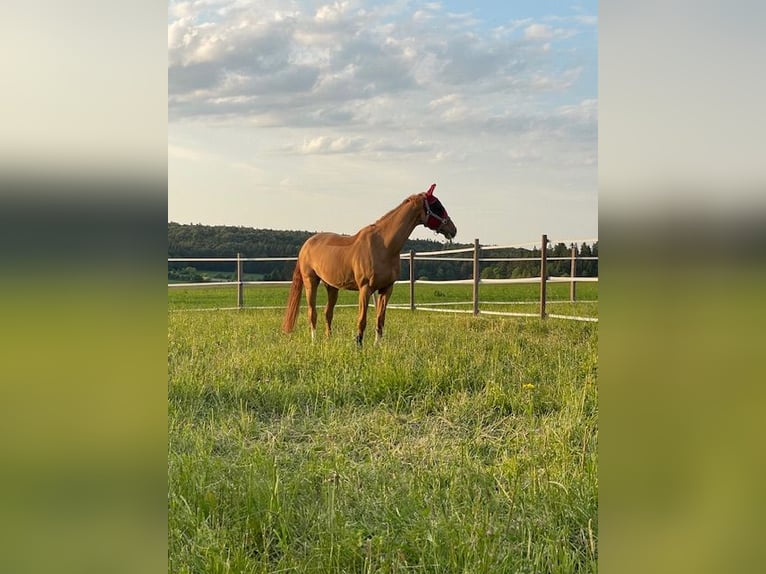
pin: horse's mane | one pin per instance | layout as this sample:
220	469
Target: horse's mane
411	198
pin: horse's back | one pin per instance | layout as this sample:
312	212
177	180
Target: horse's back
330	240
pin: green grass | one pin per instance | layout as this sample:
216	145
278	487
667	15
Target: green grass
425	294
459	444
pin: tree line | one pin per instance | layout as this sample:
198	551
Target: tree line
196	240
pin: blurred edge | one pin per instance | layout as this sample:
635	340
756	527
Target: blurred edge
681	392
83	185
682	217
83	399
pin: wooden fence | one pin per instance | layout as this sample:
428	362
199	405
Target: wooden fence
543	279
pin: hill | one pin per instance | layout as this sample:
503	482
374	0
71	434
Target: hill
196	240
226	241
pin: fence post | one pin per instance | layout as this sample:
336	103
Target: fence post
476	277
543	274
412	280
240	294
572	275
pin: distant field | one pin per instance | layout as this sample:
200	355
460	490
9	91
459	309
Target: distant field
459	444
425	294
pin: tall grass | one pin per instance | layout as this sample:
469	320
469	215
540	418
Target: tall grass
459	444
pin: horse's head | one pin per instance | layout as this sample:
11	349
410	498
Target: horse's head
435	216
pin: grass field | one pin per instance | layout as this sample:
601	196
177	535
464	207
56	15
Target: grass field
459	444
524	297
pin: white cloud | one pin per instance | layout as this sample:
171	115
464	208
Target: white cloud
328	144
538	32
585	111
586	20
290	63
422	16
524	155
448	100
546	32
331	12
408	89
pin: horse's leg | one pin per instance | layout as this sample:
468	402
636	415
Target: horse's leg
311	283
364	301
332	298
384	296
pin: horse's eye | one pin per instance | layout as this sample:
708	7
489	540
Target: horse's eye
437	208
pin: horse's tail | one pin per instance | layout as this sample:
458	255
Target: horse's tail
293	300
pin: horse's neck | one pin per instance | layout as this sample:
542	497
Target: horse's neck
397	226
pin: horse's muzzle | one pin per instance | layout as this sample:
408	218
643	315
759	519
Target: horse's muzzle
447	229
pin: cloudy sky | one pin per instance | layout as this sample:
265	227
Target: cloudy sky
323	116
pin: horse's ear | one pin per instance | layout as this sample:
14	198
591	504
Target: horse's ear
430	191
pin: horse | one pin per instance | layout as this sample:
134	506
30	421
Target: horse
366	262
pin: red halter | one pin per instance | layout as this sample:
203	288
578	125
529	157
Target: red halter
433	220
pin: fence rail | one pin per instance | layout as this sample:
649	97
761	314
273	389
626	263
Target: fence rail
543	279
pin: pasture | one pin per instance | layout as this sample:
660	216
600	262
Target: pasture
494	297
460	444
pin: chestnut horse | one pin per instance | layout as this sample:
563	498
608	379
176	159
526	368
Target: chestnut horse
365	262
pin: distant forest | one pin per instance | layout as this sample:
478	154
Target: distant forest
226	241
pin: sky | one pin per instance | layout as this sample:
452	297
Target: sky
323	116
